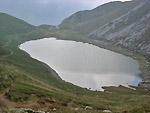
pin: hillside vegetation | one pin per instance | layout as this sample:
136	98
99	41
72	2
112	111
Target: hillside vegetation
123	24
10	25
28	83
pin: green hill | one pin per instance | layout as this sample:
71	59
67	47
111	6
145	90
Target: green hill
26	83
10	25
123	24
78	19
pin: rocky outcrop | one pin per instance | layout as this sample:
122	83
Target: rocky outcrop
124	24
131	30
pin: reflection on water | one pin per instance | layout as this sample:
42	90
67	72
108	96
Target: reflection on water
83	64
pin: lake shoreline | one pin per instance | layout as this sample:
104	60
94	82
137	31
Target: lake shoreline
92	44
145	72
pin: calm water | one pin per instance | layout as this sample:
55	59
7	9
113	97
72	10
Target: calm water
83	64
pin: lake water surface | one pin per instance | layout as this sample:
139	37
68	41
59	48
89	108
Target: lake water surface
84	64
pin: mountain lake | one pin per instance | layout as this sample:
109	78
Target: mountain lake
84	64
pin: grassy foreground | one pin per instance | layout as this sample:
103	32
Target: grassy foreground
28	83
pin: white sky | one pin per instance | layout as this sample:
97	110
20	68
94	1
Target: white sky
47	11
87	3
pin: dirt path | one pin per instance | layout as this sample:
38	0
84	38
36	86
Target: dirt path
4	46
4	102
42	83
45	85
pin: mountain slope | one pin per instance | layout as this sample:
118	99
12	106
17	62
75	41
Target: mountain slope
26	83
11	25
84	16
129	31
126	25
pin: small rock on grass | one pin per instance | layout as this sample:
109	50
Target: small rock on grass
88	108
106	111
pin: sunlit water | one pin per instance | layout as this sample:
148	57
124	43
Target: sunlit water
84	64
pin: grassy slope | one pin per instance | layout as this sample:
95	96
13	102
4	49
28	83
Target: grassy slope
92	22
25	82
11	25
88	15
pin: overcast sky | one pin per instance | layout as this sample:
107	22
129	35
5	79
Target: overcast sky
50	12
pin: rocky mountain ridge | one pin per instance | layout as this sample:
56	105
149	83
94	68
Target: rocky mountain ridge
130	30
127	25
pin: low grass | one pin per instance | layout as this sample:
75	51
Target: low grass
141	110
34	82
